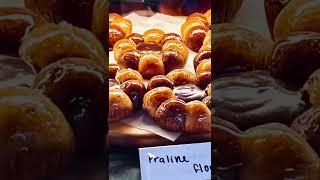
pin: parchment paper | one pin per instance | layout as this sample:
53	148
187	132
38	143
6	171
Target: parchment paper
140	25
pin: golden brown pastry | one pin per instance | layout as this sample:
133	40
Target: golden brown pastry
36	140
194	31
124	75
160	81
150	65
154	53
208	17
78	87
48	43
155	97
198	118
89	14
113	69
119	28
181	77
204	66
312	88
14	25
120	105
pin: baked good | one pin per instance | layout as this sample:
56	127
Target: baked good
119	28
175	102
254	149
204	54
305	14
39	47
254	98
15	72
311	89
288	58
89	14
153	53
78	87
36	139
14	25
126	93
273	8
238	49
225	10
194	30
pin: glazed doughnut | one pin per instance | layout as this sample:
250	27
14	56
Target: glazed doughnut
14	25
194	31
204	52
129	88
119	28
39	47
78	87
153	53
113	69
36	140
160	80
181	77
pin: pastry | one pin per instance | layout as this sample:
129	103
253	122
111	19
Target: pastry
126	93
119	28
39	47
238	49
15	72
78	87
311	89
176	104
288	59
153	53
36	140
254	149
89	14
14	25
305	14
194	31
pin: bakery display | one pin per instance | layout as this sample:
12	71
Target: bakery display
39	46
194	30
153	53
36	139
14	24
89	14
119	28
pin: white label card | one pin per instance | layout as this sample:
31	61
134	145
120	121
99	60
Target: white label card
187	162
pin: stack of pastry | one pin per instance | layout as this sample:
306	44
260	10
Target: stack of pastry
119	28
153	53
195	28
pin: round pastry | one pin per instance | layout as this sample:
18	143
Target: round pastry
119	28
14	25
48	43
295	58
224	11
89	14
36	140
311	89
307	126
194	31
238	49
273	8
153	53
15	72
78	87
254	149
305	14
175	103
126	93
254	98
113	69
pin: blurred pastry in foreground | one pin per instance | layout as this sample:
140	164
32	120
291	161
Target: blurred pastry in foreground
225	10
36	140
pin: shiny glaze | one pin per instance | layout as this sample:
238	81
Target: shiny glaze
136	38
149	47
189	92
170	36
254	98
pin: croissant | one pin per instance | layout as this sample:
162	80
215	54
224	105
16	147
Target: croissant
119	28
194	31
153	53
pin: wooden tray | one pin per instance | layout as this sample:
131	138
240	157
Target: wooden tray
126	136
